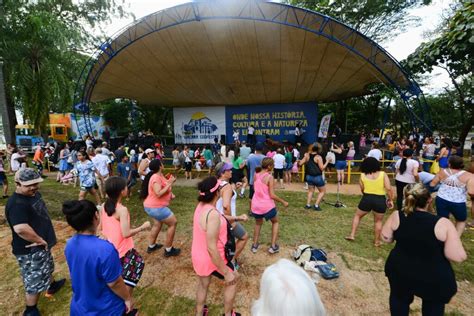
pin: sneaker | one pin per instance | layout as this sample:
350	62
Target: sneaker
274	249
241	195
317	208
234	313
154	248
133	312
173	252
254	248
32	312
307	206
54	287
236	265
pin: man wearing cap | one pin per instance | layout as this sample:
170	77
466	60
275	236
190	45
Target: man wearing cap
226	204
33	236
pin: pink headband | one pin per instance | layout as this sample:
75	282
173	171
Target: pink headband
213	189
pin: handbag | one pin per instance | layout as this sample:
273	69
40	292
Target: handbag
434	169
229	246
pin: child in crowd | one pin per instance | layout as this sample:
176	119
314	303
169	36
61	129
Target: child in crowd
115	225
125	170
3	176
263	204
85	170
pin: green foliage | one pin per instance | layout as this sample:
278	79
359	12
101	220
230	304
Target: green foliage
115	114
453	51
378	19
453	48
40	42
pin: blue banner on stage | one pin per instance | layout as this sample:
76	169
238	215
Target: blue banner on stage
278	121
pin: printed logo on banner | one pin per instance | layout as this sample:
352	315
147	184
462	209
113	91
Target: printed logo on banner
199	123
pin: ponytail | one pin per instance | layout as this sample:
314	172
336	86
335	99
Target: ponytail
415	196
113	187
403	165
407	153
145	183
154	166
409	204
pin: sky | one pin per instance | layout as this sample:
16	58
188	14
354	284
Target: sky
400	47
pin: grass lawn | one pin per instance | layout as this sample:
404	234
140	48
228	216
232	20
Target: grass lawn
297	226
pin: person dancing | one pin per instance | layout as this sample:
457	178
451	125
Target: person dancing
226	205
375	185
419	263
156	193
263	204
208	252
314	175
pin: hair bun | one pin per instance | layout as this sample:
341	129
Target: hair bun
71	207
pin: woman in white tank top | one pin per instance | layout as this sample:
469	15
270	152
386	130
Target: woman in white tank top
452	194
226	204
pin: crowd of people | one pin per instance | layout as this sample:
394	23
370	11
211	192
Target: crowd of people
114	267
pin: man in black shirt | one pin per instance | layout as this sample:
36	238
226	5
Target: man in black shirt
33	236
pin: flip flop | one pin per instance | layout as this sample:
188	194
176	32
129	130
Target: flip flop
349	238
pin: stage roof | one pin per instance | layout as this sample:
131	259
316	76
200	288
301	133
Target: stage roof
238	52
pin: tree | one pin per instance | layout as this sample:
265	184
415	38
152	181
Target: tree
453	51
377	19
41	43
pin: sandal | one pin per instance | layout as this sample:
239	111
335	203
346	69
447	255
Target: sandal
377	244
349	238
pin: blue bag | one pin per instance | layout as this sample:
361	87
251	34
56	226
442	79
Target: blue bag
328	271
318	255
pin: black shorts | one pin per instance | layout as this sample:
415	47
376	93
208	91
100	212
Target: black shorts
132	267
237	175
278	173
372	202
251	191
188	166
218	275
3	178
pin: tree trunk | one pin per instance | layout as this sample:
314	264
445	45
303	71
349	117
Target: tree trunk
466	128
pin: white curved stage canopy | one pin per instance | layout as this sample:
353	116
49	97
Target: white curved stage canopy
211	53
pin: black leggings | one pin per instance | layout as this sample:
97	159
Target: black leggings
400	306
400	186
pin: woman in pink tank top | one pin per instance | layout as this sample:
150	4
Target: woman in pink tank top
115	225
208	248
263	204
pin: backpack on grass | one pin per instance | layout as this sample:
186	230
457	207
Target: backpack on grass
307	253
312	258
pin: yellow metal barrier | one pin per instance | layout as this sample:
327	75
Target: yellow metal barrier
349	173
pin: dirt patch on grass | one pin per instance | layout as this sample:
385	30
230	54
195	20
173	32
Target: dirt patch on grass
361	289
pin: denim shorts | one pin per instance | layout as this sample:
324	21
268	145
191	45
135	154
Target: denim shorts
268	215
238	231
159	213
443	208
341	164
315	181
